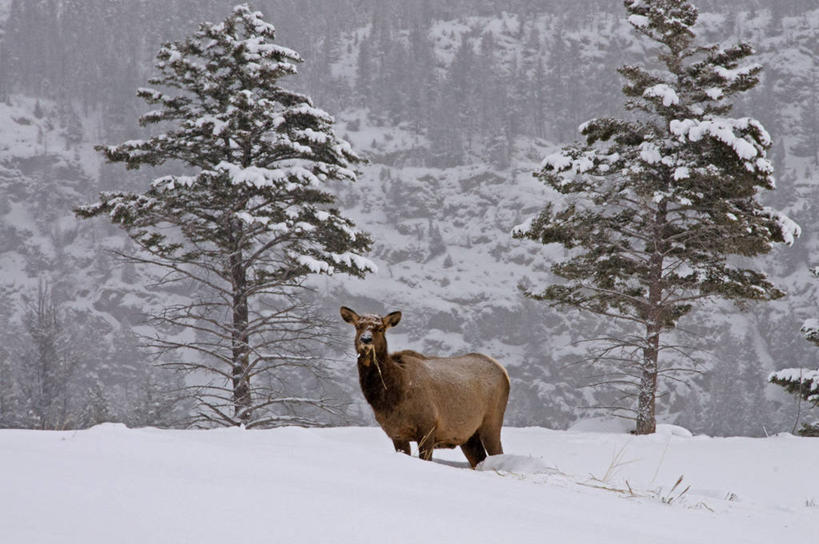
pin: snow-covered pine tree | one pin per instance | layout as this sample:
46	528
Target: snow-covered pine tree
803	382
661	209
249	218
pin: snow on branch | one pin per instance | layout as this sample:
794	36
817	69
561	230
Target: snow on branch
730	76
650	153
810	330
293	176
353	260
802	381
325	266
745	136
790	230
639	21
314	265
169	183
562	162
663	91
518	231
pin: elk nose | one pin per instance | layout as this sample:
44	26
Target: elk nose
366	339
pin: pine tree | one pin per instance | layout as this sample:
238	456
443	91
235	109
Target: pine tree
9	398
421	81
364	69
803	382
461	84
10	401
249	219
563	101
661	210
48	363
806	85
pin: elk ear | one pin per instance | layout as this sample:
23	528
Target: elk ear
348	315
391	320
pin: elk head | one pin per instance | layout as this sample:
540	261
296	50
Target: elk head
370	332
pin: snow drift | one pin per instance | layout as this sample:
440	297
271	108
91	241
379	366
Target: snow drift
113	484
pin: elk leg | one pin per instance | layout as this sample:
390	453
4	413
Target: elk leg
490	436
402	446
473	450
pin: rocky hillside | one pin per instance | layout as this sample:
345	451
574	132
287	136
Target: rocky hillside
455	106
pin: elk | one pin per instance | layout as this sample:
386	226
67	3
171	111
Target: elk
438	402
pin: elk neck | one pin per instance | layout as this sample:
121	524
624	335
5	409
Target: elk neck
381	379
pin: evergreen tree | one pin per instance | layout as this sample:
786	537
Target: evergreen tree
803	382
364	70
422	79
9	398
10	401
538	100
806	86
563	71
495	105
48	364
735	403
661	210
461	84
249	219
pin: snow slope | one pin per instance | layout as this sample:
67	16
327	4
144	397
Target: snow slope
112	484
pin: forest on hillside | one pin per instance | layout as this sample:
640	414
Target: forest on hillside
455	104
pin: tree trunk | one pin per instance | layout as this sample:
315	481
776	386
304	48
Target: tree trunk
647	396
242	401
646	424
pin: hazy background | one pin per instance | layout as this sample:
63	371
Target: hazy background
455	106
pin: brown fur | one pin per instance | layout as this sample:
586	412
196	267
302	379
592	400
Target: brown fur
438	402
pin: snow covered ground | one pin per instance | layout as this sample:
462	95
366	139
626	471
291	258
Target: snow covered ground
112	484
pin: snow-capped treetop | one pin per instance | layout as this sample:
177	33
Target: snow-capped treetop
692	158
262	154
665	20
224	98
